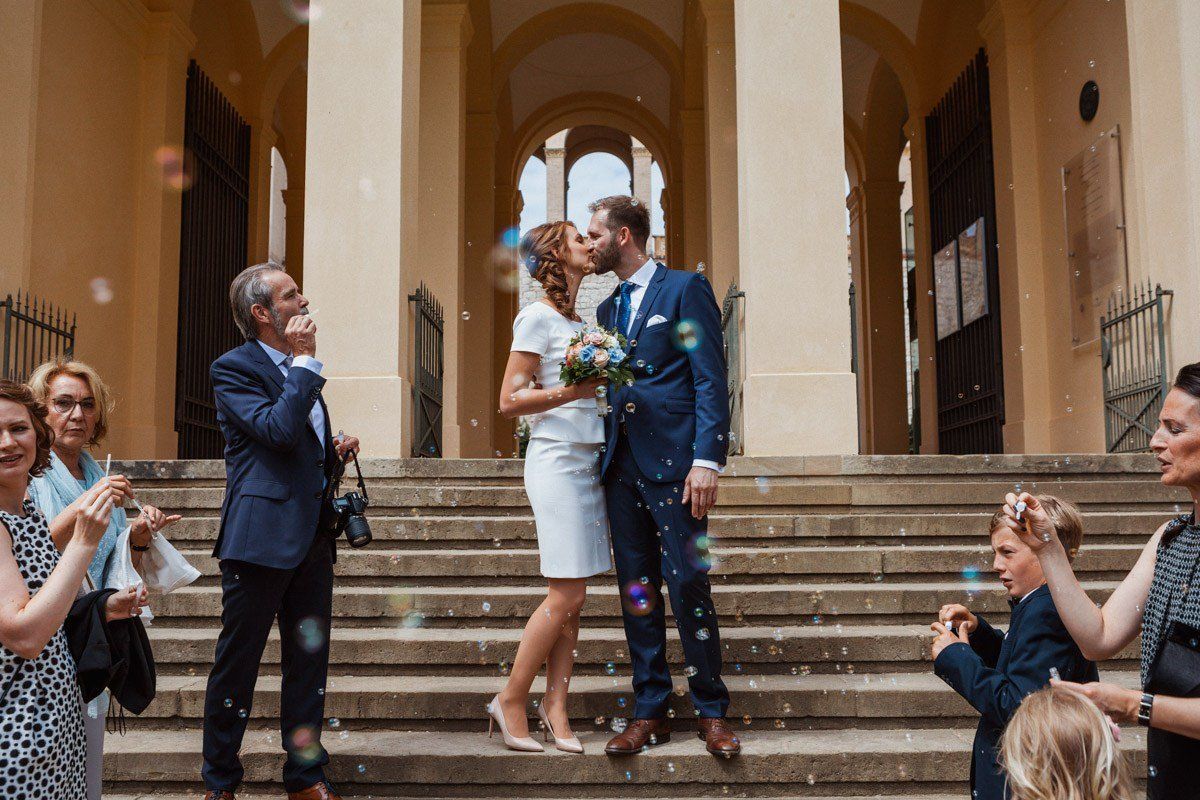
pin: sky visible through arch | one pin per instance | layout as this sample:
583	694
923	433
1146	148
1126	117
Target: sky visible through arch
593	176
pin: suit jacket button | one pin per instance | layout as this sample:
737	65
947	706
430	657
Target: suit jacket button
320	463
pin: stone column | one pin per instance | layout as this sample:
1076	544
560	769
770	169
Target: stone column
723	130
1019	232
478	386
262	139
20	66
360	219
445	30
923	255
641	170
693	196
799	393
149	418
556	177
293	201
1164	60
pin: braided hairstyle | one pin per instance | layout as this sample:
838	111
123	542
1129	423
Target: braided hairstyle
541	252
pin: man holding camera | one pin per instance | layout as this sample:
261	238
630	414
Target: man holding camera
276	544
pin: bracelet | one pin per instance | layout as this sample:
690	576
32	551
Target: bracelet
137	549
1145	707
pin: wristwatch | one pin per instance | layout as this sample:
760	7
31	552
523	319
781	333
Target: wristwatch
1145	707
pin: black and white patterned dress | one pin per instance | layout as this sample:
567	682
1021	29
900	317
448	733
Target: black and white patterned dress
1174	596
42	744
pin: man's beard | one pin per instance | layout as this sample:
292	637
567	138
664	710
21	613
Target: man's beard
279	324
606	260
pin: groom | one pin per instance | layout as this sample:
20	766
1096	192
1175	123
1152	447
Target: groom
665	447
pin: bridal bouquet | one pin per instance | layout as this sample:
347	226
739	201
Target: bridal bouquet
596	352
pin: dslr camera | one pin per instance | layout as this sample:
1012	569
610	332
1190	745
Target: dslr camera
351	510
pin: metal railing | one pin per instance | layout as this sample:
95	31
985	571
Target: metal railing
35	331
428	365
731	330
1133	361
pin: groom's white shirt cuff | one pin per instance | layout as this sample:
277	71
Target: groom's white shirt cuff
714	466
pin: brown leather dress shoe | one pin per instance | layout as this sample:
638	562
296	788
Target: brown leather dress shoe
318	791
718	737
638	734
218	794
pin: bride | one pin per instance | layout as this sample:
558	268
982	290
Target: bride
562	480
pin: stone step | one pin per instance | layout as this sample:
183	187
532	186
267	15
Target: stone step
358	703
750	649
395	763
794	603
862	562
828	528
762	492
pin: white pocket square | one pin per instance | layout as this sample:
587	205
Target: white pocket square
657	319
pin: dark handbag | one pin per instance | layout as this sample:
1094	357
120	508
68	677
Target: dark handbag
1174	673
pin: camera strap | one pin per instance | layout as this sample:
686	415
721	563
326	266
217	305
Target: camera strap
362	486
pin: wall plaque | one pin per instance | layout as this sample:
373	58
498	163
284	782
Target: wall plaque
1094	218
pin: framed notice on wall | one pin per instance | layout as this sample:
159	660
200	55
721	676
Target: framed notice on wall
1094	220
945	288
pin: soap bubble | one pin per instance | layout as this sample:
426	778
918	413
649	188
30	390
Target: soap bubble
102	292
511	237
310	634
304	745
610	668
618	724
176	166
637	599
466	315
685	335
302	11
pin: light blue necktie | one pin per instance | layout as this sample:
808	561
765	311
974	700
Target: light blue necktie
623	307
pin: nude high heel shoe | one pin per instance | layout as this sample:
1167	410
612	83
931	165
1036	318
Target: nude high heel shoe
523	744
571	745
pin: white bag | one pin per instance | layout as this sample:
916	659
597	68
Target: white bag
164	569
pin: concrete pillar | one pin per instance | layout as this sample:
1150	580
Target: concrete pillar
722	130
556	177
445	29
149	421
293	201
1164	60
641	170
507	208
923	255
858	256
1019	231
692	194
262	139
20	66
360	220
799	393
479	388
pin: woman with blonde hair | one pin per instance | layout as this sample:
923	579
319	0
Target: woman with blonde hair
562	479
1059	746
78	409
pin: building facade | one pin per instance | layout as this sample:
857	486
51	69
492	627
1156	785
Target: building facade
1055	170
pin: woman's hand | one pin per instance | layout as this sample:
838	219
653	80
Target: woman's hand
125	603
1034	527
587	388
149	522
92	520
1121	705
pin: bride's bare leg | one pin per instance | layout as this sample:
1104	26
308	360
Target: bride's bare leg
542	632
559	665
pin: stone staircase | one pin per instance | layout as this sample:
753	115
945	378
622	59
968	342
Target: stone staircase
828	572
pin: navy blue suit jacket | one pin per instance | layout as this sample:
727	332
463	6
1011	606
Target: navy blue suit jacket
680	397
997	671
276	467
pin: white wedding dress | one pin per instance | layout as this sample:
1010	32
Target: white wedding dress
562	462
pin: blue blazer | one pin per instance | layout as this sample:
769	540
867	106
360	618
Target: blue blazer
276	468
997	670
680	400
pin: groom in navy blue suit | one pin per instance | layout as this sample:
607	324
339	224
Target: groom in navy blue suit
665	448
275	545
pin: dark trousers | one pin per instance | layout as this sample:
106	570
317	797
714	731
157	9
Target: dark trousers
655	540
252	597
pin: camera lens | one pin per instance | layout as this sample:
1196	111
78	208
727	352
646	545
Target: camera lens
358	531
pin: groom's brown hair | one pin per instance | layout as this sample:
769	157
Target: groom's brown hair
625	212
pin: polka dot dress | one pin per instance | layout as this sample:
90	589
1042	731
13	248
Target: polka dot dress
42	744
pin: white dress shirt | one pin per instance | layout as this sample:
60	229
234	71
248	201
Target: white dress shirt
640	280
316	416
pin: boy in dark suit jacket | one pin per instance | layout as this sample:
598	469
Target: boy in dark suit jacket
994	671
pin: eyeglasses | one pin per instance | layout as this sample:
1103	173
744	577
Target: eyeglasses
66	405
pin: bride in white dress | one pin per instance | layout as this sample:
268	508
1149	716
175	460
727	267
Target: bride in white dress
562	479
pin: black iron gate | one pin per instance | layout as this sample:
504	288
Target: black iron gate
1133	358
427	384
34	331
212	251
962	211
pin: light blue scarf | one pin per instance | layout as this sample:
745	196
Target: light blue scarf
57	488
